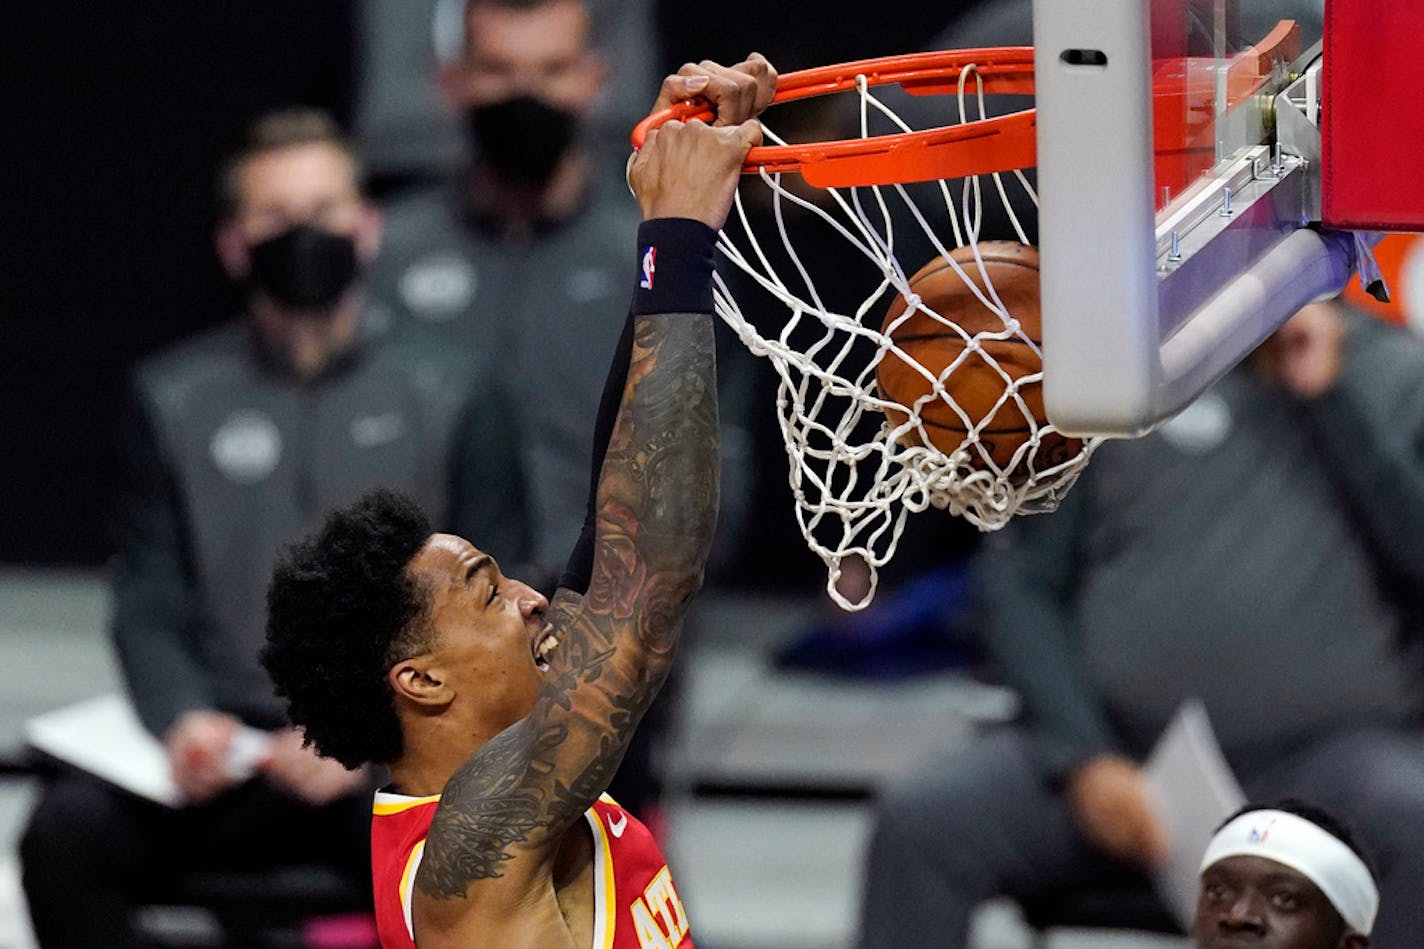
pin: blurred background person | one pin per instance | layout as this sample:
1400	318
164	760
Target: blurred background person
1263	551
1286	875
515	259
404	133
406	130
238	441
123	113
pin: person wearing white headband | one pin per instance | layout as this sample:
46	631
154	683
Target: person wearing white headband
1287	876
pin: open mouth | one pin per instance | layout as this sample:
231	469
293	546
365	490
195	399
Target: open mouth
544	648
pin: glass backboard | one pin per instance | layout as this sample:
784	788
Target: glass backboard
1178	175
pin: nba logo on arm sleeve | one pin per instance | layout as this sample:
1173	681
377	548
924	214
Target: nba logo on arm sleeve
675	267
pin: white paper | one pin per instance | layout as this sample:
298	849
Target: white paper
1193	790
246	752
104	737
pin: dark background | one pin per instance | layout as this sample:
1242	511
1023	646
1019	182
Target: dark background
116	116
117	113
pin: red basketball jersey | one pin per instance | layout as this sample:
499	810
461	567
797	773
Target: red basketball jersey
635	903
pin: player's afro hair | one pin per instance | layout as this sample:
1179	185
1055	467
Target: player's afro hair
341	611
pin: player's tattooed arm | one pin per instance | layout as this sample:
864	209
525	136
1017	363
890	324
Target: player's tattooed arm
657	507
496	834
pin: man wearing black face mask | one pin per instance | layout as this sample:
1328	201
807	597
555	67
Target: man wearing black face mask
297	234
524	85
523	138
304	267
239	441
517	255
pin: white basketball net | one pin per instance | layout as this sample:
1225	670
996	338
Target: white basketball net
854	476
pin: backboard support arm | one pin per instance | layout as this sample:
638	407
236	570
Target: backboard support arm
1143	311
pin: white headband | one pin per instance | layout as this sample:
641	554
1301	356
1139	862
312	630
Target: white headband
1297	843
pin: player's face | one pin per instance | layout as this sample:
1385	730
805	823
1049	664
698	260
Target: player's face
542	52
1258	903
492	641
313	184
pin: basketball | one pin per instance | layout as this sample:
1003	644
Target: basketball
978	383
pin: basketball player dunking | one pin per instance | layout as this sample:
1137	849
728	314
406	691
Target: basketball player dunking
501	716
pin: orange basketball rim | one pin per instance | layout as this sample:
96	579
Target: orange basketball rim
983	146
1001	143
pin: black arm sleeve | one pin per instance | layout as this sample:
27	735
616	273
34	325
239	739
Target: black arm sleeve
675	267
580	565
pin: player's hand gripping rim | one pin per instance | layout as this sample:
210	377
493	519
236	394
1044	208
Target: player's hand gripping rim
734	93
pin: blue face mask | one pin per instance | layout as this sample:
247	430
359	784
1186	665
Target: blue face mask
304	267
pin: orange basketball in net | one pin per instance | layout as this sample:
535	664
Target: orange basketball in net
984	382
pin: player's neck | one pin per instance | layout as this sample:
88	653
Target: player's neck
307	343
434	750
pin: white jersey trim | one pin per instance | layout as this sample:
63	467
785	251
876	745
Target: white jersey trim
604	916
604	889
407	889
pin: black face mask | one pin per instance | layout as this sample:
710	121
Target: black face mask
304	266
523	138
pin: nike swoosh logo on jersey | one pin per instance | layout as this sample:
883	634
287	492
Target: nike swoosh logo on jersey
618	824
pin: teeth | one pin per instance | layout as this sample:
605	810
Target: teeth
546	646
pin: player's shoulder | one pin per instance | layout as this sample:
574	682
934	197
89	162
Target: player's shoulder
420	214
223	342
212	357
611	202
1367	332
424	356
1381	374
402	807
